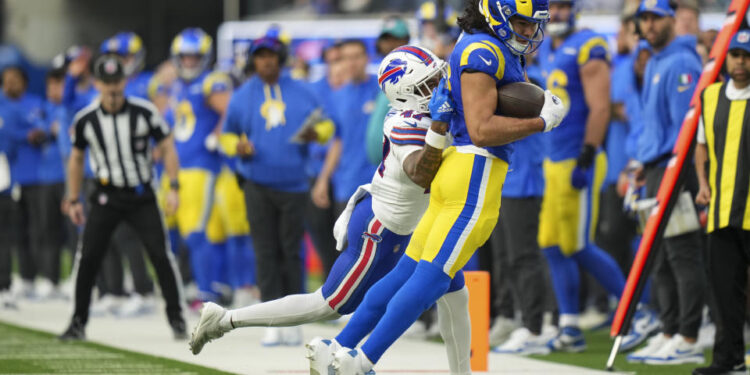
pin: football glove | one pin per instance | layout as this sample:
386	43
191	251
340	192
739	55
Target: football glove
553	111
581	175
441	104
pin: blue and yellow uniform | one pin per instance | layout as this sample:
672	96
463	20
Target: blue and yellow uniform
464	207
194	121
198	219
569	215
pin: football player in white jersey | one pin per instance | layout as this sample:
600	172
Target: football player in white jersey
378	221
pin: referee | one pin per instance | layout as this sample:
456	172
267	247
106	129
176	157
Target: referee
118	132
724	142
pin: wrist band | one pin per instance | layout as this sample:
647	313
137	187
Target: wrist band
436	140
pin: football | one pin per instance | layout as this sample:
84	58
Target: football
520	100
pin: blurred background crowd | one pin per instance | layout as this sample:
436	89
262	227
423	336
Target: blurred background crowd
169	46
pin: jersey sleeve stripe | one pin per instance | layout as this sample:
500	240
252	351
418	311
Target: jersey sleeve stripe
415	142
471	48
585	52
500	59
404	131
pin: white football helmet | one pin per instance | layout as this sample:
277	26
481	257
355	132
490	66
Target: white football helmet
405	76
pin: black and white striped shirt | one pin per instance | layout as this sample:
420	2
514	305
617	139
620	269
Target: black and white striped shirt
119	143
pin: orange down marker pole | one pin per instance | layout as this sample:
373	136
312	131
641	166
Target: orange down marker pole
478	283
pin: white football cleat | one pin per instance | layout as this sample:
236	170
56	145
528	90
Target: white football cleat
320	353
523	342
501	330
654	345
351	362
208	328
676	352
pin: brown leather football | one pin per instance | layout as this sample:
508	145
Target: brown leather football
520	100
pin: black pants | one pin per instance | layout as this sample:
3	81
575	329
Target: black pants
679	277
6	239
49	241
125	245
319	223
27	227
519	262
277	222
109	208
728	258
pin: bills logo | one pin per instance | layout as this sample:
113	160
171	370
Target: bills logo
393	73
374	237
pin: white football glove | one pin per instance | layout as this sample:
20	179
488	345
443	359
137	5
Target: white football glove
553	111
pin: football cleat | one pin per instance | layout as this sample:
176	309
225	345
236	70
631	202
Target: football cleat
208	327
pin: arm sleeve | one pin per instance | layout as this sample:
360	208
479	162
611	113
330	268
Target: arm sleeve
483	57
69	91
78	138
404	140
231	118
682	84
216	82
159	128
596	48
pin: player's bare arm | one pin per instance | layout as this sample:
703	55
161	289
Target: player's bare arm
486	129
701	157
595	78
421	166
319	193
171	167
75	177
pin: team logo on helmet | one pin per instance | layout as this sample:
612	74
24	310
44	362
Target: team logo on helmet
393	73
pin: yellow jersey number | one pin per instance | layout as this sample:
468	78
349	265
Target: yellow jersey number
184	121
557	83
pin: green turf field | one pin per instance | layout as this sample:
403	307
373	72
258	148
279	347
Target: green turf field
595	357
25	351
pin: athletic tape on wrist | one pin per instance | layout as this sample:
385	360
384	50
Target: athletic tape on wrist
435	139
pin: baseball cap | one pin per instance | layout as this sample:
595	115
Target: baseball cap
741	40
661	8
395	27
108	69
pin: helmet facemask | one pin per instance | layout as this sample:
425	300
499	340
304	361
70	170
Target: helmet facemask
423	89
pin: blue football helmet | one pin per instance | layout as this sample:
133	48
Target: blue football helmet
192	41
498	13
128	45
558	27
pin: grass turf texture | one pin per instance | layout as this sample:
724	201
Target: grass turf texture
598	347
26	351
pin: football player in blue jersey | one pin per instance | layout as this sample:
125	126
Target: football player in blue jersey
129	46
577	66
465	194
199	100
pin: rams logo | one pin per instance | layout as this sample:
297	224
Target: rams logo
393	73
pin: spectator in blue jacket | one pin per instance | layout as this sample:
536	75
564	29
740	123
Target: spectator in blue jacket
12	134
679	278
346	166
319	221
263	116
25	171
